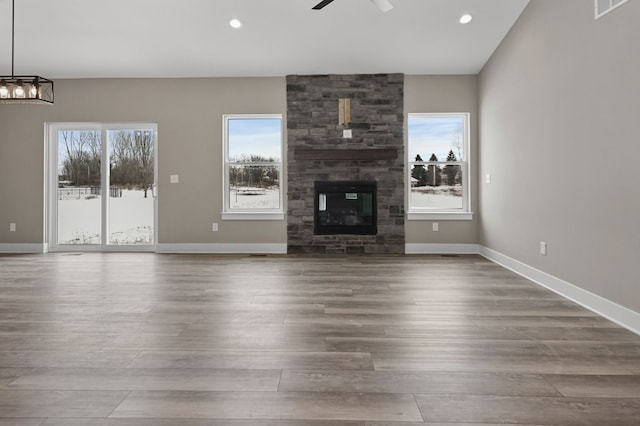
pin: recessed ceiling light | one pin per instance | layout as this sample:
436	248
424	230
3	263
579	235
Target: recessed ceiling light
235	23
466	18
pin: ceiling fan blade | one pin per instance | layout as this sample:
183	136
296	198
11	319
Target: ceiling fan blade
383	5
322	4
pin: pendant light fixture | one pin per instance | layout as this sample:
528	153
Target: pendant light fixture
23	89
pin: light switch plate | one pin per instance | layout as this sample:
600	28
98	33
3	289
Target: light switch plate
174	179
543	248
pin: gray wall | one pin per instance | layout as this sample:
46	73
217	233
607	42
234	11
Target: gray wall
559	102
446	94
189	116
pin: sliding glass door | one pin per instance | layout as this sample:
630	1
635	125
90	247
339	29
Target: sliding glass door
131	186
102	187
78	187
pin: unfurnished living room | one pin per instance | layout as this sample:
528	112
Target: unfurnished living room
319	213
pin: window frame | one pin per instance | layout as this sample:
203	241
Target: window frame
51	194
229	213
426	213
612	5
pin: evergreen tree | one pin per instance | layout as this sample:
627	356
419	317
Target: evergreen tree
433	173
451	170
419	173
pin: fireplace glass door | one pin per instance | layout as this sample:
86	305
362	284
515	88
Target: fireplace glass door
345	207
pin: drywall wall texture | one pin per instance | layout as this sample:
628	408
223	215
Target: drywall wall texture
559	105
439	94
189	116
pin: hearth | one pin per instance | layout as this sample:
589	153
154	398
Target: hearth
345	207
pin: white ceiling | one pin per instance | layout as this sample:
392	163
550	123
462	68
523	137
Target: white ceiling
192	38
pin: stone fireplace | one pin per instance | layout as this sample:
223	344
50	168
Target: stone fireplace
320	152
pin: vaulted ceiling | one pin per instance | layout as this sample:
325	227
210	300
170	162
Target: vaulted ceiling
192	38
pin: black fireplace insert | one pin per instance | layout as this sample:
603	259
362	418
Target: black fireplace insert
345	207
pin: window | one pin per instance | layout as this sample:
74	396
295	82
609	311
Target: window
605	6
438	150
253	167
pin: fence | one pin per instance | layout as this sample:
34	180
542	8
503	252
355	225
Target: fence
84	193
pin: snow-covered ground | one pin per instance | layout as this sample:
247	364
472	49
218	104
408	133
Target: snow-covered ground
441	197
269	200
79	220
131	219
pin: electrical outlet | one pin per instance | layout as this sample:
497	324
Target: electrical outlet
214	227
543	248
12	227
174	179
347	134
434	227
487	178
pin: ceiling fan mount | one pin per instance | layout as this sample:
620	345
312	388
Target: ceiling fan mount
383	5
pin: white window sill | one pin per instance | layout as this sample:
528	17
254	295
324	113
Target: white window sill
252	216
440	216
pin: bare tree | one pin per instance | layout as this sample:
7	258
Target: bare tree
253	170
131	159
81	164
456	141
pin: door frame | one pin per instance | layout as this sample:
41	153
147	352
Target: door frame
51	187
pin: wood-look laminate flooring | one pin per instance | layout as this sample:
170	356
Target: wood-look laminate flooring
202	340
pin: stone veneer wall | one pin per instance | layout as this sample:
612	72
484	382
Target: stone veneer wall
377	122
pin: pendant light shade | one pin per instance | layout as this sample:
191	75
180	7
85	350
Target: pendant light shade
23	89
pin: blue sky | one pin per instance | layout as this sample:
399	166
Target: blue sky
435	135
256	136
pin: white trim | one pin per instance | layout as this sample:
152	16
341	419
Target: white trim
226	206
612	7
223	248
37	248
251	216
622	316
441	248
440	216
51	185
465	163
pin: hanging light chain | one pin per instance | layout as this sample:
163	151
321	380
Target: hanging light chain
23	88
13	35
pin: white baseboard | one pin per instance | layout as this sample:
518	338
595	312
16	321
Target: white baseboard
622	316
441	248
222	248
23	248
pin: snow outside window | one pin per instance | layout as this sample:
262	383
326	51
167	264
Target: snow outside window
253	167
438	151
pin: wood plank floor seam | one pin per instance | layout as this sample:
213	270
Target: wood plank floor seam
138	339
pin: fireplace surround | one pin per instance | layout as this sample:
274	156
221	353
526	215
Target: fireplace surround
319	151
